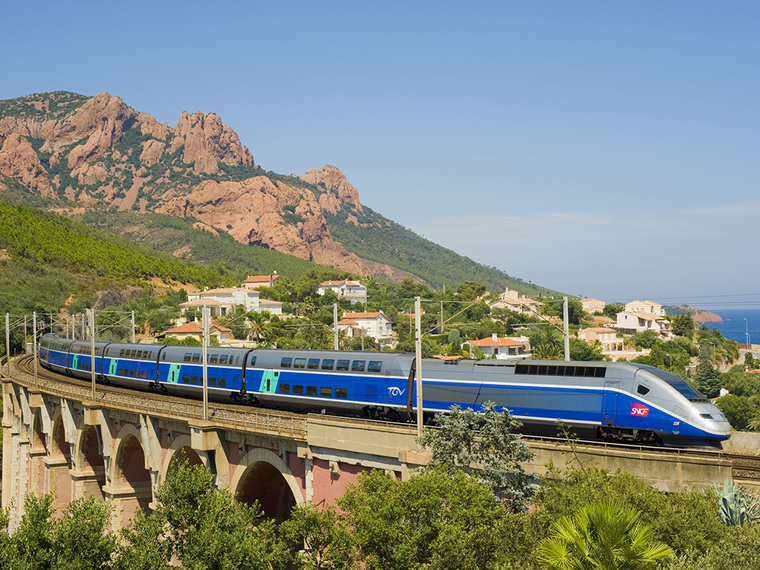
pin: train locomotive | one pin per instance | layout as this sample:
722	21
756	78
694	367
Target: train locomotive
612	400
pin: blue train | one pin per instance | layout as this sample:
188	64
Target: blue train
619	401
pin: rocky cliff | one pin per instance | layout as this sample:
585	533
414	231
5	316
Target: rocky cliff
76	151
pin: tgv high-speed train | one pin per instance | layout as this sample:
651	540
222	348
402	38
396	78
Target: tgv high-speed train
623	401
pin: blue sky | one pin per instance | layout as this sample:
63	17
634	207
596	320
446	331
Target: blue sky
604	149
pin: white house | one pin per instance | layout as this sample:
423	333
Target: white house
592	306
354	291
645	307
514	301
502	347
635	322
222	301
376	325
608	338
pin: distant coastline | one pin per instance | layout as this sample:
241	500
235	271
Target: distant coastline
699	315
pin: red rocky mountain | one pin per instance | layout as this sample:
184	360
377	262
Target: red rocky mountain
82	151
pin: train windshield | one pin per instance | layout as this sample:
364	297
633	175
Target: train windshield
678	383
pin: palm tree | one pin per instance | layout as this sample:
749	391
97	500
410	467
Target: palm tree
601	536
547	344
257	321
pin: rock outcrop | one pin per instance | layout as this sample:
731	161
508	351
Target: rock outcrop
98	150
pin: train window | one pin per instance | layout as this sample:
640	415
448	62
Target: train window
212	381
213	359
223	359
533	370
313	363
196	357
542	369
163	356
325	392
121	372
131	373
222	382
286	362
284	388
187	357
358	365
590	372
185	379
193	380
375	365
551	370
328	363
600	372
297	389
143	374
299	363
342	365
252	361
706	416
643	390
341	393
311	390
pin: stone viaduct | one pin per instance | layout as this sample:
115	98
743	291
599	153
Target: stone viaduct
119	447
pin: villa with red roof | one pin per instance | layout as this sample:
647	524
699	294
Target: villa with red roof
354	291
195	329
502	347
376	325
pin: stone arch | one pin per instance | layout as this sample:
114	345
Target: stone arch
263	476
130	479
180	443
91	463
37	437
58	465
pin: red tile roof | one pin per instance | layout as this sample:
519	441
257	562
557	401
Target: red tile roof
195	327
497	342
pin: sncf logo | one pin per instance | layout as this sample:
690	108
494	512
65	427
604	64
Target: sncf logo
639	410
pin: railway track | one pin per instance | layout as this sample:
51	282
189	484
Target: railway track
746	468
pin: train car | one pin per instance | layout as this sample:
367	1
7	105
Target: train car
369	384
180	371
620	401
54	353
134	365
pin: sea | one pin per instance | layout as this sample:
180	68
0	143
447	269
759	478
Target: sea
737	324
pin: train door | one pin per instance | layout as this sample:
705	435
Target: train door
609	401
269	381
173	376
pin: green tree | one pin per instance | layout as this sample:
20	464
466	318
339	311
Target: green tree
683	325
602	535
546	343
484	444
201	527
433	520
645	339
612	309
739	410
470	290
708	379
581	350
